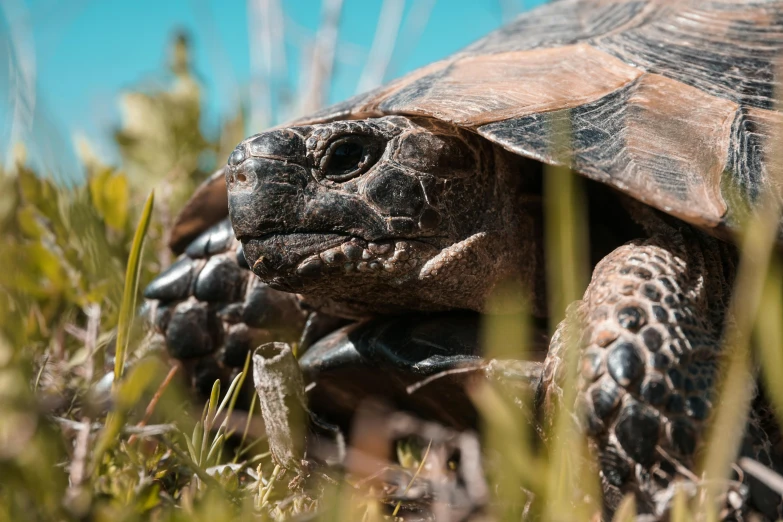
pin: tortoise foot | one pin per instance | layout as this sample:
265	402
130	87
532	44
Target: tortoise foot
212	311
648	333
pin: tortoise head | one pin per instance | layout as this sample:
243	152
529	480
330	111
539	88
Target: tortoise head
376	214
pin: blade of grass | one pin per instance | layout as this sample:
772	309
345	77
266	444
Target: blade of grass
230	398
267	490
413	478
191	447
735	391
154	401
763	473
244	449
680	511
626	512
206	421
237	390
212	405
566	237
128	305
40	372
128	392
217	446
567	276
506	434
515	465
198	470
769	338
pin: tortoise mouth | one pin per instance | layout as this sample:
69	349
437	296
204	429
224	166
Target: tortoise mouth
273	254
287	261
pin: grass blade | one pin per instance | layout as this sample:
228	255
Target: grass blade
680	511
128	305
217	445
567	274
769	332
231	394
626	512
758	241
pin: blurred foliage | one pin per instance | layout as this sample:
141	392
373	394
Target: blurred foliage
65	452
73	243
62	249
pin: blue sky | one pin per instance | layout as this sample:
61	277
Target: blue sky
86	52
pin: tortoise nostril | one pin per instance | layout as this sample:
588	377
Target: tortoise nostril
245	177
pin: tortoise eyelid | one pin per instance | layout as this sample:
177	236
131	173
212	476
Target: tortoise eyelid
370	152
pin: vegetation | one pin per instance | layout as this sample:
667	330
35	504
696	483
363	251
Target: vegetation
77	442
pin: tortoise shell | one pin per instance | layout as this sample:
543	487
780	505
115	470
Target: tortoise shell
672	103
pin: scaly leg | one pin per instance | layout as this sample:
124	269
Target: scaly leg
652	319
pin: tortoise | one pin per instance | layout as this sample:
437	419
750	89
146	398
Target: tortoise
412	203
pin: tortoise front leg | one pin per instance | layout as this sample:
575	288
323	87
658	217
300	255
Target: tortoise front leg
211	310
650	322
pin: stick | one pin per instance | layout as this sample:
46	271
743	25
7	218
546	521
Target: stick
280	386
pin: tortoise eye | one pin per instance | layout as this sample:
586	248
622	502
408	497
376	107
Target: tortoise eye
348	157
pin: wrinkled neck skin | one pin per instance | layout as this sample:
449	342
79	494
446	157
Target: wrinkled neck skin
437	221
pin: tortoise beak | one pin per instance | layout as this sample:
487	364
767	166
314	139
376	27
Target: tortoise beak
268	202
264	174
264	208
262	196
